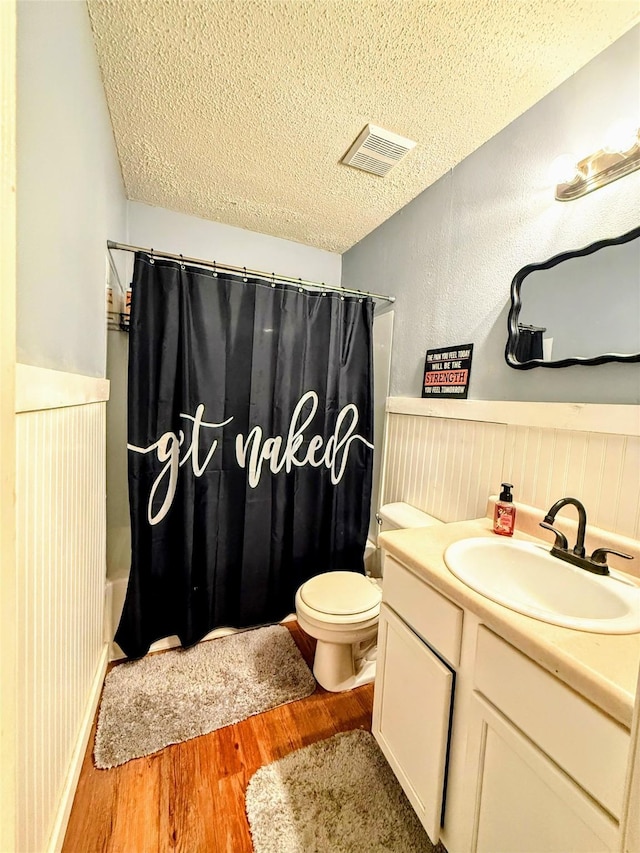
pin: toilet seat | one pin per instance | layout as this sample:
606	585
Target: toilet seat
339	598
340	593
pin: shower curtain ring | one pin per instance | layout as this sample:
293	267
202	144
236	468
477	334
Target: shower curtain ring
273	279
300	288
151	260
182	266
215	270
245	274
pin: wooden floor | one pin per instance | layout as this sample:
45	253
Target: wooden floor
190	797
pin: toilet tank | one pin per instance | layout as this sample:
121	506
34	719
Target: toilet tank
396	516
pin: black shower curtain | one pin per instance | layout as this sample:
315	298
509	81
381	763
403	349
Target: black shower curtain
250	448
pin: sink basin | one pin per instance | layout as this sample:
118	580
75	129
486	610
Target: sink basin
523	576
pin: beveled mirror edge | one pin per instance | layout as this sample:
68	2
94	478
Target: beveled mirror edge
516	304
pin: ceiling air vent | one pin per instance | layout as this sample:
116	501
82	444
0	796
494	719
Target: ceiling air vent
377	150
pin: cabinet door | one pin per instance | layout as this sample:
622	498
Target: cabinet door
411	712
524	803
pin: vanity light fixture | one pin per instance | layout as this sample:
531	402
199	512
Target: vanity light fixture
618	158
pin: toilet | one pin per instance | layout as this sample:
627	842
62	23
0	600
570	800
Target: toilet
341	609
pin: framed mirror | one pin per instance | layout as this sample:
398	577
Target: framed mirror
580	307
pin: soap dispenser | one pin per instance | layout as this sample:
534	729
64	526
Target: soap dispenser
504	513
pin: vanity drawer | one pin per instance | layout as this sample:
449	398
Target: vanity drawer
432	616
584	741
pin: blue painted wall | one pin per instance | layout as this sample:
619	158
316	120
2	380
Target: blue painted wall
450	255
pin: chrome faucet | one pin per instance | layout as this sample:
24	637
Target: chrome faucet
597	563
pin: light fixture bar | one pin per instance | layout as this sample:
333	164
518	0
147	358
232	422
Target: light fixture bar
597	170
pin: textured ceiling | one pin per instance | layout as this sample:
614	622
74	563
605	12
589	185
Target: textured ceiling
239	111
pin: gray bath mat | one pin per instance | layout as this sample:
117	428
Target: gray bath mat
335	796
177	695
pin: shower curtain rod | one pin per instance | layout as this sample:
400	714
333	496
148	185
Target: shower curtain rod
244	271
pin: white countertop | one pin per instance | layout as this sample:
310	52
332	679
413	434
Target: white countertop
601	667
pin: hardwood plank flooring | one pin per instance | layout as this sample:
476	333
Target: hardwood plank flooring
190	796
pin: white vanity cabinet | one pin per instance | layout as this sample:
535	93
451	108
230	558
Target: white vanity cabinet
533	765
545	768
414	688
521	800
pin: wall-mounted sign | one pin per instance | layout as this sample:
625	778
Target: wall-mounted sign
447	371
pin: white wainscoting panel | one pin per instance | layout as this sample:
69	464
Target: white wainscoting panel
59	619
601	469
443	466
449	466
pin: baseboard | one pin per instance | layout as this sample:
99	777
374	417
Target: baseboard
63	811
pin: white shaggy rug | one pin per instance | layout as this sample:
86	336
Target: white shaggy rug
177	695
335	796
